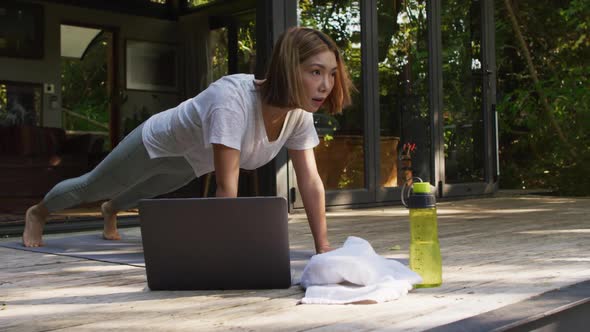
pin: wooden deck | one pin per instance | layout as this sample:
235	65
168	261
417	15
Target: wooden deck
496	252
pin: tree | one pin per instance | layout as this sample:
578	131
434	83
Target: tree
544	96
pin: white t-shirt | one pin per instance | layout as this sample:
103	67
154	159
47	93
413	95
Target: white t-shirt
228	112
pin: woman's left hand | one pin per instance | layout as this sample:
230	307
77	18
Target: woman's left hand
324	249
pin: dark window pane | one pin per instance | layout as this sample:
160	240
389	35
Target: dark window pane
462	91
403	91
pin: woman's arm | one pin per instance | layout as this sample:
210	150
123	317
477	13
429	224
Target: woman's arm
227	170
312	192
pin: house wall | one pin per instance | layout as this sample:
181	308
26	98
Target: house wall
48	69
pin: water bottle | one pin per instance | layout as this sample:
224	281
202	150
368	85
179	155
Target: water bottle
425	256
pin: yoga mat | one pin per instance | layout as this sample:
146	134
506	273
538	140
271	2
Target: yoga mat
128	250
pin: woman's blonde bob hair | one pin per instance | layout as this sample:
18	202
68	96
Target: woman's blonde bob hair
283	86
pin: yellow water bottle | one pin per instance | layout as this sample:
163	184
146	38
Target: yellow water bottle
425	256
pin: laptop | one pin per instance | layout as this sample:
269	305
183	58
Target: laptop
215	243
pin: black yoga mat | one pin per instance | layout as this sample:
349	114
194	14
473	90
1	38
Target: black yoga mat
128	250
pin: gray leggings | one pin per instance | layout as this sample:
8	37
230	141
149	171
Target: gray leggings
125	176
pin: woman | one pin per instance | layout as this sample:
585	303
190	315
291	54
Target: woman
237	122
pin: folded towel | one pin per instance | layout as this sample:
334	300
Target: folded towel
355	274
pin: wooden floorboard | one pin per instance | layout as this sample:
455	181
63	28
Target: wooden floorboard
496	252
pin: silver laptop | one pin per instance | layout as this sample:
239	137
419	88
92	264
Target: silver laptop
215	243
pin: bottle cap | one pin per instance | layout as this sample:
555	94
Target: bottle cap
421	187
421	197
422	201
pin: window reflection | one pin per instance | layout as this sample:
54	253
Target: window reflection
247	46
462	91
244	58
218	47
403	91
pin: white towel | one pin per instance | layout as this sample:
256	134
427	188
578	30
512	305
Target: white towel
355	274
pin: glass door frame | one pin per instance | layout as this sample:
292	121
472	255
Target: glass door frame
372	194
491	169
231	15
393	194
369	97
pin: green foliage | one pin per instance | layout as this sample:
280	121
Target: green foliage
197	3
219	53
341	21
3	100
247	47
84	88
532	156
403	61
462	70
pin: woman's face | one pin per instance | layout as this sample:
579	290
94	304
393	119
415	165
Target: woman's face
318	74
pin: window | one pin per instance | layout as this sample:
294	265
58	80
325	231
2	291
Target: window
21	30
20	104
341	154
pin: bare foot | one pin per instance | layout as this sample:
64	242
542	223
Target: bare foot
110	231
35	218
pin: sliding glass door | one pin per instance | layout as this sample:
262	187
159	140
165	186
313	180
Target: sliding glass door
467	96
403	85
342	153
424	107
